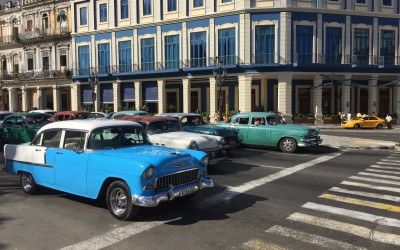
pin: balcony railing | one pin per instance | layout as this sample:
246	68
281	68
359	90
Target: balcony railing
9	39
39	33
43	74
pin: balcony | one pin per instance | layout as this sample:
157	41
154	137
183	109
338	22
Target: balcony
43	35
7	40
32	75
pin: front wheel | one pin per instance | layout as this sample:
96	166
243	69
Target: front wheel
379	126
288	145
119	201
28	184
356	126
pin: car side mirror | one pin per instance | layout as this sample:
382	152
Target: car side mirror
78	150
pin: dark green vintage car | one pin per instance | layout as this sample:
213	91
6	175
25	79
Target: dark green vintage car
267	129
20	128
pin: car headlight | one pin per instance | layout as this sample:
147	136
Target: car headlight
222	141
216	133
193	145
149	172
205	161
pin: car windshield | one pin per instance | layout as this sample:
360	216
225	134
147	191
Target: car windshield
40	119
82	116
117	137
159	127
191	120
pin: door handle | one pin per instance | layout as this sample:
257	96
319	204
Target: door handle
38	150
59	153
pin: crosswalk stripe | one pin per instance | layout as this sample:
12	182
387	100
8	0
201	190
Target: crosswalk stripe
260	245
384	167
389	160
311	238
388	163
380	175
375	180
382	171
360	231
354	214
366	194
365	185
372	204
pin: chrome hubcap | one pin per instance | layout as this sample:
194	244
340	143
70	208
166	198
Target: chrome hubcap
27	181
118	201
287	145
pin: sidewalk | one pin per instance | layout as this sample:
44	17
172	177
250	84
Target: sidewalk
343	142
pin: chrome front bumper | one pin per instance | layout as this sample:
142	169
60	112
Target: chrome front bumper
309	142
171	193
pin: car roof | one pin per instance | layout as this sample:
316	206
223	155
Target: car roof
179	114
147	118
42	110
71	113
257	113
87	125
33	114
6	112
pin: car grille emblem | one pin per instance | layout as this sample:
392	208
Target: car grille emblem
180	165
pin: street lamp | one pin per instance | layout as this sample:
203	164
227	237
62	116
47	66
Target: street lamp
93	82
220	75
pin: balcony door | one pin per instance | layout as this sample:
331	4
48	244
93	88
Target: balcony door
46	61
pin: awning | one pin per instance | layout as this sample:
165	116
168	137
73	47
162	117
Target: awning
86	94
106	93
150	92
127	92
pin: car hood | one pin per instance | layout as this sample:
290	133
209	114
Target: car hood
210	129
296	129
162	158
183	139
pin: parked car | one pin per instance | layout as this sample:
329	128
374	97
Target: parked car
72	115
46	111
20	128
127	112
98	115
110	159
3	115
166	131
267	129
194	123
364	122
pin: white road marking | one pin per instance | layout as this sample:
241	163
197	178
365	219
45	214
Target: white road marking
386	160
122	233
380	175
366	194
382	171
375	180
311	238
384	221
359	202
384	167
265	166
360	231
388	163
256	244
365	185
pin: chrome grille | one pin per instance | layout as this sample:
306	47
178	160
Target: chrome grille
177	179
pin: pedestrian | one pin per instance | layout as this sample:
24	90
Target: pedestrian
373	114
388	121
349	116
216	116
340	118
359	115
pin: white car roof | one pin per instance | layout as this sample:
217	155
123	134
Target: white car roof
88	125
42	110
6	112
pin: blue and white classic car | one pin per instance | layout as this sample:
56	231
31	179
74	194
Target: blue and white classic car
107	158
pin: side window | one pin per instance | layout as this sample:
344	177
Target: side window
74	139
257	121
51	139
243	120
20	121
373	118
9	121
272	120
38	140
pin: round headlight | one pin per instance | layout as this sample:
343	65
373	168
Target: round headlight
193	145
216	132
205	161
149	172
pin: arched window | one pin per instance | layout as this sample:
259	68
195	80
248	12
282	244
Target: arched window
62	19
45	21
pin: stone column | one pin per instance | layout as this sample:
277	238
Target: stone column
213	98
161	96
345	88
24	100
75	96
286	37
244	93
264	93
116	94
53	58
39	92
56	98
396	101
285	96
186	95
372	95
138	95
317	99
11	99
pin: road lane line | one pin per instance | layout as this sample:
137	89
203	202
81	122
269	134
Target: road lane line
384	221
366	194
261	245
365	203
265	166
365	185
388	160
360	231
380	175
312	238
382	171
384	167
113	237
375	180
388	163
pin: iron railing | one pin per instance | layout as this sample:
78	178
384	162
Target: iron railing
9	39
39	33
41	74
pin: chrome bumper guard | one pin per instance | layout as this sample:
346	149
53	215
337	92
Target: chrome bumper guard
310	142
172	193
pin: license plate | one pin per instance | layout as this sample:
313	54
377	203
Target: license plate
187	191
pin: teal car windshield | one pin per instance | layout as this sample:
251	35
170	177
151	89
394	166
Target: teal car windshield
191	120
160	127
117	137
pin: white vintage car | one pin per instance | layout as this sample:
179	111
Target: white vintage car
167	131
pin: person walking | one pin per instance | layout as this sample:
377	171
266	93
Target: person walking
349	116
388	121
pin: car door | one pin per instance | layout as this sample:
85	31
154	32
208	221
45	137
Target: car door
241	122
372	122
259	132
71	163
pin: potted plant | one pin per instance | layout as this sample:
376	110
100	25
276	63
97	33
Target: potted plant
303	118
206	116
330	118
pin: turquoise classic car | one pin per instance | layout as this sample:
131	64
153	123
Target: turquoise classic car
267	129
20	128
194	123
126	112
108	159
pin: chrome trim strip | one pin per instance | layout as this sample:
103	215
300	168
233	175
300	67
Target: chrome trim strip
31	163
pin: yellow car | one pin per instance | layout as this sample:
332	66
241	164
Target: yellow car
364	122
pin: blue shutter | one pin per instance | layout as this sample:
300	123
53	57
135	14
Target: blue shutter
103	13
86	94
127	92
361	46
83	55
226	46
104	58
125	60
304	43
124	9
150	92
333	45
265	44
147	54
106	91
388	47
172	52
83	16
198	53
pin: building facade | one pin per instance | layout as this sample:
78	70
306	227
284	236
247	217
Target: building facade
35	55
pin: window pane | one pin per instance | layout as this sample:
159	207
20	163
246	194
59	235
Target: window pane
197	3
83	16
51	139
361	46
172	52
83	55
388	46
198	53
146	7
304	43
171	5
74	139
125	60
265	44
124	9
333	45
103	13
104	58
226	46
147	54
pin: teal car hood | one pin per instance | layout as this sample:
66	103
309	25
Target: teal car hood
211	129
296	129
